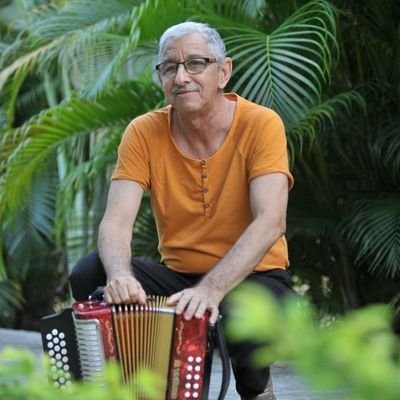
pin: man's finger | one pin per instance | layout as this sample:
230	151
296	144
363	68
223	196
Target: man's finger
173	299
134	291
183	302
192	307
111	296
214	315
201	309
142	297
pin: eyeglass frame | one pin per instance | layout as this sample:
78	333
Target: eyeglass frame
208	60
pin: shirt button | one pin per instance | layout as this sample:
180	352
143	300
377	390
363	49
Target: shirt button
206	205
203	162
205	190
204	175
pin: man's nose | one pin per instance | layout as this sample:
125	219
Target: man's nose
181	75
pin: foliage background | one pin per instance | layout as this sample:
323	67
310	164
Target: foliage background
74	73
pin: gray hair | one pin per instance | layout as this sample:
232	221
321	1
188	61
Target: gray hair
216	46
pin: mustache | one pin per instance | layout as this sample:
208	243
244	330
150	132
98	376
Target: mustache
186	88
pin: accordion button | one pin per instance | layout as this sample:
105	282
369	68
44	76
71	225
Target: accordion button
198	359
197	377
195	395
189	377
190	359
188	385
196	386
190	367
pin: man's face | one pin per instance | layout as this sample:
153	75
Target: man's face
188	92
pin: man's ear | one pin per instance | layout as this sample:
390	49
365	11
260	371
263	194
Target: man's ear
225	72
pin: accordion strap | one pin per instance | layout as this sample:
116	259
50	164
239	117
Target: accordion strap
225	361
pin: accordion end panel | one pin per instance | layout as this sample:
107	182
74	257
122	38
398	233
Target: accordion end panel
59	343
189	360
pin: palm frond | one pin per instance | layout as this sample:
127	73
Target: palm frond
91	177
110	71
329	111
373	231
27	60
285	70
386	147
30	232
50	37
28	147
80	15
9	96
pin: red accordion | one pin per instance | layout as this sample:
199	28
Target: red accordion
81	339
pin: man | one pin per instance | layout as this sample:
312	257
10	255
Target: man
217	170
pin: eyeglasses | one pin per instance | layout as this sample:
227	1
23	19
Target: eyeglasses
192	66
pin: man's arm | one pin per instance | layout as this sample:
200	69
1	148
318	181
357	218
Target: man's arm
268	200
114	242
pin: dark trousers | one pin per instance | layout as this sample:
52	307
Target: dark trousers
157	279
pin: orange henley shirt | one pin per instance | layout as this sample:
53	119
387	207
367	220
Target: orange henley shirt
201	207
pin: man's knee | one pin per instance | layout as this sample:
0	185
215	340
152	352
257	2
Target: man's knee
86	276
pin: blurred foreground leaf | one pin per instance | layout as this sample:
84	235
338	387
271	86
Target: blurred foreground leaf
23	378
358	354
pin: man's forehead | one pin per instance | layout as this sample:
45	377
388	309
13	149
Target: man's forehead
191	44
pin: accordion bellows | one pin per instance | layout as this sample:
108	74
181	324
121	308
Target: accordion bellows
80	340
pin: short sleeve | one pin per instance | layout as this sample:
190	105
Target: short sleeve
133	157
269	149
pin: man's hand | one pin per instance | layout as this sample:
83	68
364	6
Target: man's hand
124	289
194	302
